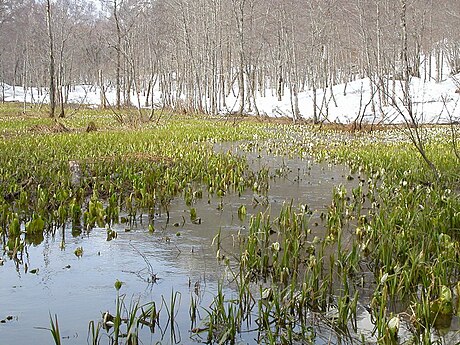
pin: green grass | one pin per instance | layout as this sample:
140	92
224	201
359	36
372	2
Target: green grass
401	227
121	169
395	233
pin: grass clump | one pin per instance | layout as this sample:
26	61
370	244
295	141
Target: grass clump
396	234
51	179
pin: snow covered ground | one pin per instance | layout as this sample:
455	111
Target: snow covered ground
432	102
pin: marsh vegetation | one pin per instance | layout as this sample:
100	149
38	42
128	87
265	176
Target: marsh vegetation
202	229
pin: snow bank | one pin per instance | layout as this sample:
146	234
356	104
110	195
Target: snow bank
432	102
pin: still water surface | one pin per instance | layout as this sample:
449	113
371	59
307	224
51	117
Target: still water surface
81	289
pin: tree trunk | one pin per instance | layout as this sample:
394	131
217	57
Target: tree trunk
315	111
118	48
52	84
102	97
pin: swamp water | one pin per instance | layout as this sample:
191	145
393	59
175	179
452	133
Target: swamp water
178	253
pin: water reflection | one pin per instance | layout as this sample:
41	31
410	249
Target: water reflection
181	258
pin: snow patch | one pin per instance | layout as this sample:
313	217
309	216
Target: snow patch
344	103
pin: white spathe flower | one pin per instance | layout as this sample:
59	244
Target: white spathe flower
276	246
393	325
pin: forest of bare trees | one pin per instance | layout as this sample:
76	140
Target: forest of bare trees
199	52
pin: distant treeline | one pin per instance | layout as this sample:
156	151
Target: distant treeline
200	52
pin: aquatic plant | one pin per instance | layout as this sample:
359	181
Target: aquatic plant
394	233
136	171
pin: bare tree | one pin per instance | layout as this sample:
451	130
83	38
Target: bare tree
52	84
199	53
404	105
118	52
239	13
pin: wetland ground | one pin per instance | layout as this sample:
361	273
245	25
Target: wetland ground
202	230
